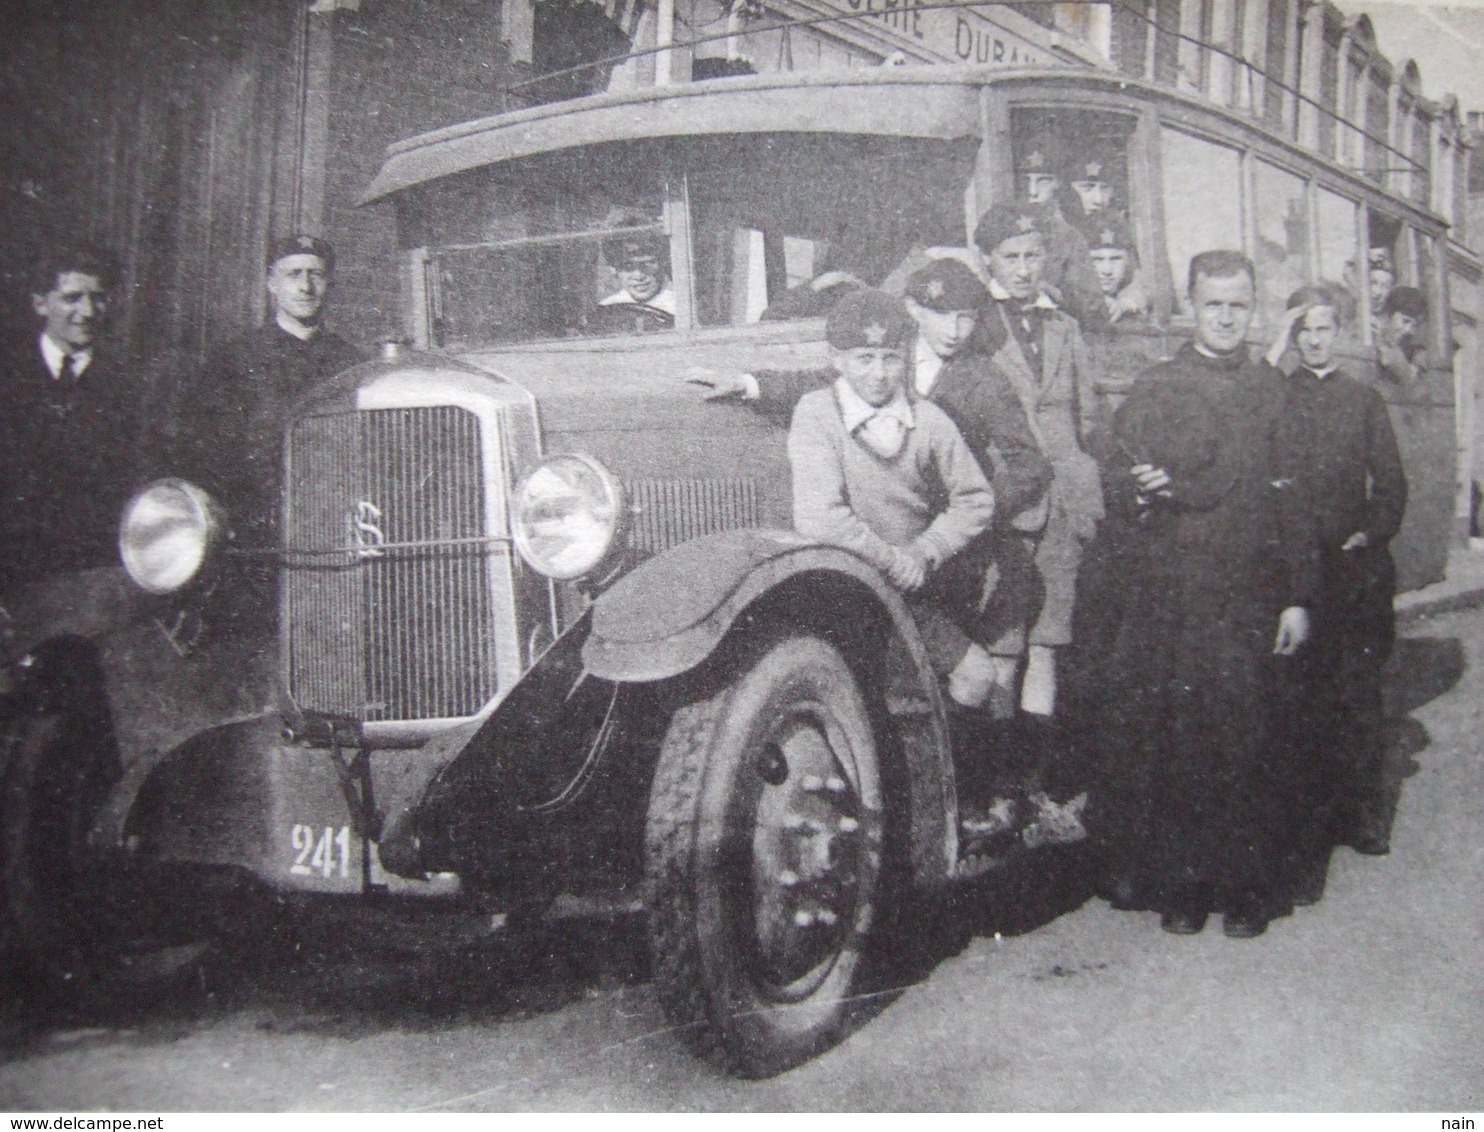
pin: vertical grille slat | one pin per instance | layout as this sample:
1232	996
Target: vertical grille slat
672	511
398	634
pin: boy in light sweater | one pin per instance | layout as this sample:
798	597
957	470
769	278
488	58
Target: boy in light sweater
889	477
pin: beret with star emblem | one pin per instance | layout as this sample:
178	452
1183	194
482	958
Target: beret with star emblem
1108	230
301	244
867	318
1007	220
1042	154
947	285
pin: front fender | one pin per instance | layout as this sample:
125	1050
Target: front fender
670	614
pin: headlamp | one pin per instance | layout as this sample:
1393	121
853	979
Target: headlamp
167	531
565	516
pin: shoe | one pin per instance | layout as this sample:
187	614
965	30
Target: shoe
1056	823
1183	922
1243	925
977	828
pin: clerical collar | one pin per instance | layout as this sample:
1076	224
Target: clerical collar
1214	356
56	357
294	328
1320	373
999	294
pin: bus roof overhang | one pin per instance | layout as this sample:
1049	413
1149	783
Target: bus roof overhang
890	102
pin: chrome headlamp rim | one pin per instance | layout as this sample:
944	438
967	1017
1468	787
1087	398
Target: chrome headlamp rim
167	533
612	513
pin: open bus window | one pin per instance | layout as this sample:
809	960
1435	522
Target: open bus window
1076	163
1202	201
542	250
1281	254
781	222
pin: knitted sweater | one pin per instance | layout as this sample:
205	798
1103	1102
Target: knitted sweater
931	495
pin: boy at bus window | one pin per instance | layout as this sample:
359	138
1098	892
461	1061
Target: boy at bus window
1115	262
1398	350
1066	271
1380	280
645	301
1336	441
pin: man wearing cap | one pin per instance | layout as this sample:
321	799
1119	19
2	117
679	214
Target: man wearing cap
1401	356
1066	267
227	424
70	426
645	301
1041	354
1336	438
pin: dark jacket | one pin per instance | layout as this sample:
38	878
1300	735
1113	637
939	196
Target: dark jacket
69	460
227	422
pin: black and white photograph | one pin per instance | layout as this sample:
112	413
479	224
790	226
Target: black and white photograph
774	556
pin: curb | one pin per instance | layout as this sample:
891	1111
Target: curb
1421	607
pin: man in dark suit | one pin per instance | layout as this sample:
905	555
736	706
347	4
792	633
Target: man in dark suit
228	422
70	427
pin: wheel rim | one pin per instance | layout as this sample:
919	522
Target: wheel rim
810	853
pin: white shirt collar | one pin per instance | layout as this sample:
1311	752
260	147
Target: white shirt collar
54	356
855	410
1321	373
927	365
998	293
663	300
296	329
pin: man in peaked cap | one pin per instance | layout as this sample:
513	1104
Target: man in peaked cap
645	301
227	423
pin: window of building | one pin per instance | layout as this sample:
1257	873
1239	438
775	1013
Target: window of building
1281	254
1202	184
1329	89
1377	122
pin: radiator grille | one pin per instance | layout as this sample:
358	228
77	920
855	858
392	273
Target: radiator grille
388	590
669	512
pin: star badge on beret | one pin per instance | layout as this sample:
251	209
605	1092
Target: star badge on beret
1106	235
1025	223
935	289
1094	169
304	243
1036	160
875	334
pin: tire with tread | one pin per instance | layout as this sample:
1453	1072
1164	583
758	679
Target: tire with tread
763	856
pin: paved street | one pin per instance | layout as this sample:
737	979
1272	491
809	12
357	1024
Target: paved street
1372	1000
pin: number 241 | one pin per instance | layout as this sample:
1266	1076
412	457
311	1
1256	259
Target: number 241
325	854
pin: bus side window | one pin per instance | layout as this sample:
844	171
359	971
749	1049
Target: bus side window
1338	251
1282	247
1202	186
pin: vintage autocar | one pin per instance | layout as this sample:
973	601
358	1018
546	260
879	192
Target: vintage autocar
537	624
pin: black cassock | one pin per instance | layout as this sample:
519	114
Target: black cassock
1200	788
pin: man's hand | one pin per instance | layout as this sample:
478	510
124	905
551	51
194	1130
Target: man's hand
1284	334
908	570
1151	482
1358	541
719	386
827	279
1293	630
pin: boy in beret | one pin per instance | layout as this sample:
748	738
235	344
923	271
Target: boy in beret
1115	262
1066	269
1400	354
888	476
1040	352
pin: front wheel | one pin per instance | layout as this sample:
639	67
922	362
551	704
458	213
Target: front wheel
763	855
